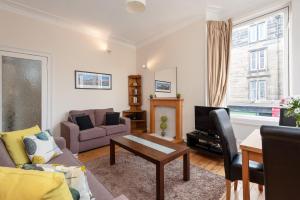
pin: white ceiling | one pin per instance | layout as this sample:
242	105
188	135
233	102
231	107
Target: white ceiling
110	19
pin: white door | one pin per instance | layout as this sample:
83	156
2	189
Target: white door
24	91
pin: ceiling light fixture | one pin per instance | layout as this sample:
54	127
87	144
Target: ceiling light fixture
136	6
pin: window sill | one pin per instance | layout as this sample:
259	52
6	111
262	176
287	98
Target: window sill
254	120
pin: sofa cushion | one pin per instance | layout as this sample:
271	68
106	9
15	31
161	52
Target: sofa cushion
115	129
91	113
91	133
100	115
31	184
41	147
112	118
5	159
14	144
84	122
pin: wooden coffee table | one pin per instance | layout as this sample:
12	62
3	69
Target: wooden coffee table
159	157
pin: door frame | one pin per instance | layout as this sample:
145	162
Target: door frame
46	58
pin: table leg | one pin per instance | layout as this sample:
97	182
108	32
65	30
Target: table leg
245	171
160	182
112	153
186	166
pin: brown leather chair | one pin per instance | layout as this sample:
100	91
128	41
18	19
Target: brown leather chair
232	158
281	150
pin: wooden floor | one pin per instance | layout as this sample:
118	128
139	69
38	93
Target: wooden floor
214	165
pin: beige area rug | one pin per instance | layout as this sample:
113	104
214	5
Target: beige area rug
135	178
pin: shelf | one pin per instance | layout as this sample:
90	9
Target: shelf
138	130
133	111
138	120
138	123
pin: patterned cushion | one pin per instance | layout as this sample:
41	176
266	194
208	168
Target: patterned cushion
41	147
75	177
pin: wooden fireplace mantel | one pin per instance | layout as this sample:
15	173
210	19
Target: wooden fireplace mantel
168	102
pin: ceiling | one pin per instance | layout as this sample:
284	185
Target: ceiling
110	19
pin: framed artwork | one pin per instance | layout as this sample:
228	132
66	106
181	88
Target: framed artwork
162	86
93	80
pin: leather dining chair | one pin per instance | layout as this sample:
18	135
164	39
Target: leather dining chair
281	150
232	158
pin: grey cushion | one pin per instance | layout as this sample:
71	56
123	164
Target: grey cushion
5	159
92	133
115	129
100	115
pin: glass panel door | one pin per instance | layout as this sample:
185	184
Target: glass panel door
22	89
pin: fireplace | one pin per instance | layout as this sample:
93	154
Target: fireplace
168	102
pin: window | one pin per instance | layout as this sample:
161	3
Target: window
258	75
262	31
253	90
253	33
257	90
262	89
258	60
257	32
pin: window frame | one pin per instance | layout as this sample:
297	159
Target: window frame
237	23
253	54
251	33
250	92
265	31
257	54
257	32
259	98
265	59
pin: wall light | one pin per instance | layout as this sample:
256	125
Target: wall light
144	66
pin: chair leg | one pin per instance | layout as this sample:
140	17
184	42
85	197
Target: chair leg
260	188
235	185
228	189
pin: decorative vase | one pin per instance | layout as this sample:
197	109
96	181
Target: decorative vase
163	133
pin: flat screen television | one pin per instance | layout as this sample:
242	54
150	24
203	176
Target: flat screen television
202	121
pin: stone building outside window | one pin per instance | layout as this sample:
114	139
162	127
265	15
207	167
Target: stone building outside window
258	77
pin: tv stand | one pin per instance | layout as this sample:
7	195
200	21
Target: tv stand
206	142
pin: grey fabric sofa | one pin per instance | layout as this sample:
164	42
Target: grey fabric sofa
67	159
78	141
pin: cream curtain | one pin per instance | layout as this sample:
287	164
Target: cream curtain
218	52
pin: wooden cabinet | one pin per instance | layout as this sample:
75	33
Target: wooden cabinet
135	113
138	120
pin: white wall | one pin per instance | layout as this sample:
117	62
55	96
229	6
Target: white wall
71	51
184	49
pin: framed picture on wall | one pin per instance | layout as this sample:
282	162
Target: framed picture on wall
93	80
162	86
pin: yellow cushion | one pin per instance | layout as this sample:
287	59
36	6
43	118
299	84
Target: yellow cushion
32	185
14	144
